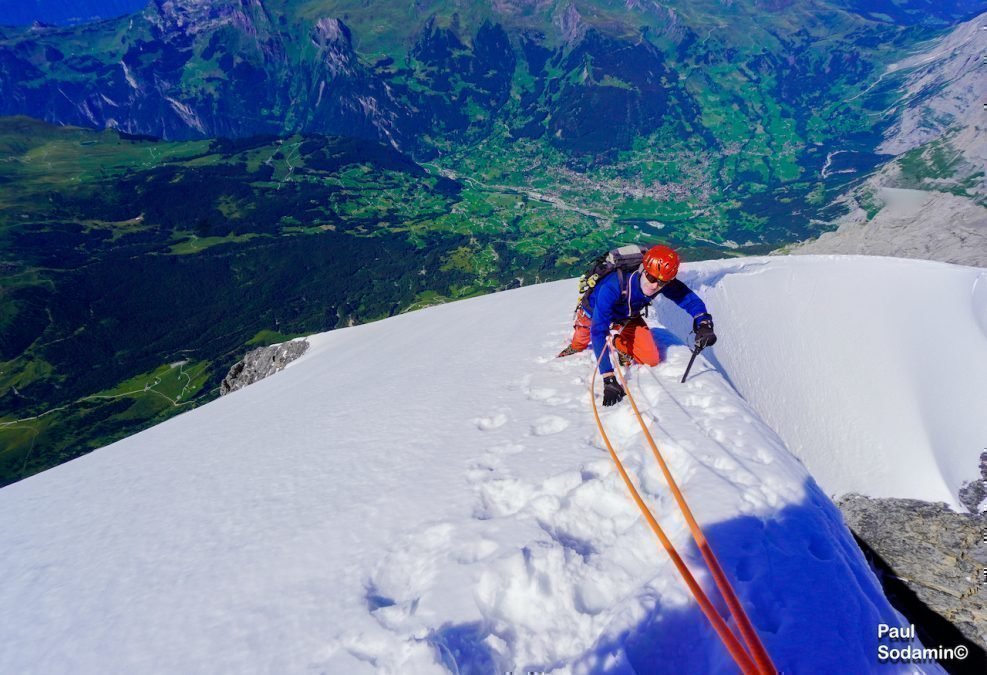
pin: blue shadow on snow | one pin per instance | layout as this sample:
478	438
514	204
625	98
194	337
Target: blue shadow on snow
803	580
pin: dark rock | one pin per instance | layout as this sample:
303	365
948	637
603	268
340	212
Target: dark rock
933	559
974	493
260	363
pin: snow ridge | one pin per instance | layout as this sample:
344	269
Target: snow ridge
430	494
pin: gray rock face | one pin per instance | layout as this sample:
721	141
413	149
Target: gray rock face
910	224
973	495
929	202
944	89
940	116
260	363
939	555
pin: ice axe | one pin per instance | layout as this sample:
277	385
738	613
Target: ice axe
695	353
708	339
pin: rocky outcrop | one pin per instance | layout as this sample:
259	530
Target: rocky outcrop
342	93
908	224
186	69
944	89
570	24
973	494
191	17
931	561
260	363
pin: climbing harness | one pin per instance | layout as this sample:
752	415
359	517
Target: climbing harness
743	659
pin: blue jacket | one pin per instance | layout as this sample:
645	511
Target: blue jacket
605	306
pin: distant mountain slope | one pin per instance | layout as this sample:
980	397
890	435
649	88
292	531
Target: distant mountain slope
425	75
909	224
931	200
429	493
941	12
733	124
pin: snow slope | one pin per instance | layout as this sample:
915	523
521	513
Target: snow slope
871	369
429	493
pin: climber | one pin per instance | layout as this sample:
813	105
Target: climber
621	284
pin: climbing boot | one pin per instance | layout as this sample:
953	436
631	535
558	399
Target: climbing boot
568	351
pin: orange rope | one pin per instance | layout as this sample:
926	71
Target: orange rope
750	636
737	651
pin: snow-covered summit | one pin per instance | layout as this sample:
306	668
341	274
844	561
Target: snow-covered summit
429	493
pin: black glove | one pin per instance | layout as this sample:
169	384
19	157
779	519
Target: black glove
612	391
702	326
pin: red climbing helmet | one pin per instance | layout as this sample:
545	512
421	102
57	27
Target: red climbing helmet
661	262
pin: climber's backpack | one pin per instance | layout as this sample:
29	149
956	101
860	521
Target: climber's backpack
625	259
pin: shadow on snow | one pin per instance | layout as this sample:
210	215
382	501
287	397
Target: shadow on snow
804	582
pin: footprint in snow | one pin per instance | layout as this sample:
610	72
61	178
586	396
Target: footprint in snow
541	393
724	465
408	571
744	571
548	396
548	425
763	456
491	422
483	469
501	497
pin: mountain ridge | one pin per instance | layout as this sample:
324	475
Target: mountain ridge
930	200
265	35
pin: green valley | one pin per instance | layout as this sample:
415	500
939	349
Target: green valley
212	176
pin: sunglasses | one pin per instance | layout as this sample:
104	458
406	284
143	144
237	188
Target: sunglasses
653	279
